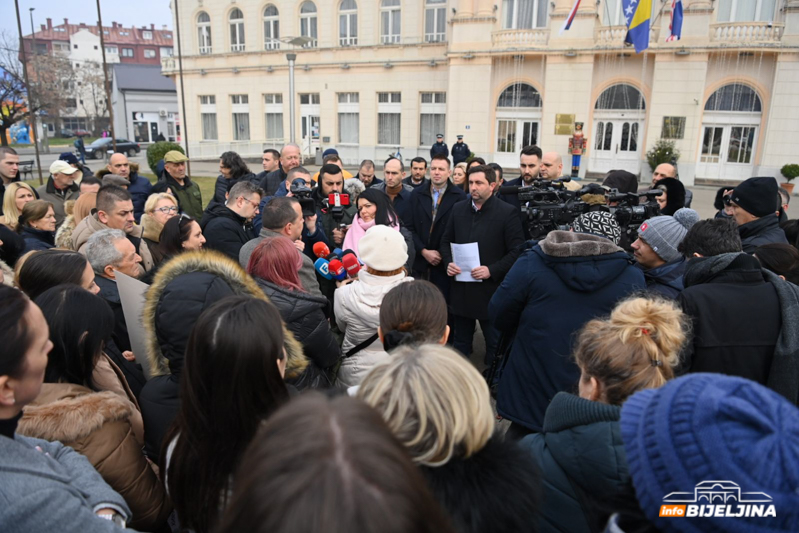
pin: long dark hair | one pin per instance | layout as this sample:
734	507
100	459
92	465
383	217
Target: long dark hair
15	336
80	322
230	384
48	268
175	232
330	465
235	163
385	216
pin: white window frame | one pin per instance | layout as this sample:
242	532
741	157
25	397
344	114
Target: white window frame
511	16
208	109
392	9
391	105
734	6
126	54
203	33
348	105
240	105
271	28
273	105
147	35
236	27
166	51
435	105
435	9
309	25
348	23
149	53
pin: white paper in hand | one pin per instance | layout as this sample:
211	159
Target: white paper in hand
467	257
131	293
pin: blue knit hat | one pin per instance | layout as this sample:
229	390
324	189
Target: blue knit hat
704	427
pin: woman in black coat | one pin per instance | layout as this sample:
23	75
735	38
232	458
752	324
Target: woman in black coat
274	265
673	197
37	225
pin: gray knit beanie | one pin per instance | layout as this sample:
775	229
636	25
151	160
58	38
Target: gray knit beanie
663	234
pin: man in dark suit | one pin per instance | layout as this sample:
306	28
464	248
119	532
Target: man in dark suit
496	228
530	169
431	207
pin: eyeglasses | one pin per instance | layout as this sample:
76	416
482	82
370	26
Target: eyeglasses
166	210
256	205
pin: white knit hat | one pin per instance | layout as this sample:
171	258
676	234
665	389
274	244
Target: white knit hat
383	248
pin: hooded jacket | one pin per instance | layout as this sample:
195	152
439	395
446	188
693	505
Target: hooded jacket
183	288
357	312
225	230
495	490
765	230
91	224
48	192
583	466
140	188
553	289
97	425
665	280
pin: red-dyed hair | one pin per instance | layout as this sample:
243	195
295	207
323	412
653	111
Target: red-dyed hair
276	260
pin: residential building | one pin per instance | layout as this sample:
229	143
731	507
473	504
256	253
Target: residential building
377	77
145	104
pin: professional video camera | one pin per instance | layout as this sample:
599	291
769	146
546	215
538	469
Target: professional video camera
301	191
336	202
630	213
548	205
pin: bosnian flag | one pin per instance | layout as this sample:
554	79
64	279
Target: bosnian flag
675	26
568	23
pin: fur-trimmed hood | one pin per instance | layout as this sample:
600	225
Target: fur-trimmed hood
571	244
67	412
151	228
134	169
8	274
183	288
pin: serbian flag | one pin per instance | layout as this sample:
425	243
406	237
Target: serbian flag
637	15
568	23
675	26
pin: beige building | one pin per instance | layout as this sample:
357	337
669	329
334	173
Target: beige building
383	75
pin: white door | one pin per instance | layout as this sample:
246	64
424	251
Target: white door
727	151
616	145
513	135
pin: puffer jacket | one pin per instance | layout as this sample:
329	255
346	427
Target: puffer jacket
666	280
183	288
583	466
553	289
357	311
225	230
97	425
91	224
304	315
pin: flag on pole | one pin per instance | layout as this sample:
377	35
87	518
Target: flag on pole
568	23
637	15
675	26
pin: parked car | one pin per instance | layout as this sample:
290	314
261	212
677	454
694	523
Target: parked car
98	148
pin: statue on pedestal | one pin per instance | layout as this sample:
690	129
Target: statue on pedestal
577	145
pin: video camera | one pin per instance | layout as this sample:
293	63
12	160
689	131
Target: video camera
301	191
630	213
336	202
548	205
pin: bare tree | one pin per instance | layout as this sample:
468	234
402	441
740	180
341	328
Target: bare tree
92	93
50	75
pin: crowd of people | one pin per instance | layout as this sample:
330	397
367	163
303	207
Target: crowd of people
307	350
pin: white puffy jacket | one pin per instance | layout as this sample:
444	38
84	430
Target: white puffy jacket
357	309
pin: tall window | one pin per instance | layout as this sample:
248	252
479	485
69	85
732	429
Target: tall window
348	118
274	116
208	117
236	31
308	22
348	23
204	33
435	21
431	121
241	117
271	28
745	10
389	112
524	14
390	21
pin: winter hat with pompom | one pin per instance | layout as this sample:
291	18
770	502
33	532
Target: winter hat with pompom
663	234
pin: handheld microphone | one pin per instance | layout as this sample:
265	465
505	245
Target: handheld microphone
337	270
338	253
351	263
320	249
322	267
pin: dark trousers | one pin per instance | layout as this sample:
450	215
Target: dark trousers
464	335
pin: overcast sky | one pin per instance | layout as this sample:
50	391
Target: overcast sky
126	12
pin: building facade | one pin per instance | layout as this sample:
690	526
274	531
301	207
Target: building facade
380	76
145	104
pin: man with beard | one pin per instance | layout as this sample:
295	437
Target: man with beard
530	170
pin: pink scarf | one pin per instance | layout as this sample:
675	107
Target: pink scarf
357	230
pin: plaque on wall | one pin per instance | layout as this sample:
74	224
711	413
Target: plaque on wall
564	124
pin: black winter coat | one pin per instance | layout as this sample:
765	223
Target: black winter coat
13	245
271	181
550	293
225	230
224	185
666	280
496	490
584	471
762	231
498	233
736	317
305	316
426	234
460	152
36	239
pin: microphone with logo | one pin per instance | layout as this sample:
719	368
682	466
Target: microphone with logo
337	270
322	267
320	249
350	263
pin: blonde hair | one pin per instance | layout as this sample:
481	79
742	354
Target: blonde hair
10	212
636	348
434	401
461	166
153	199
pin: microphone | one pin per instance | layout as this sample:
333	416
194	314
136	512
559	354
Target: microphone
337	270
338	253
320	249
351	263
322	267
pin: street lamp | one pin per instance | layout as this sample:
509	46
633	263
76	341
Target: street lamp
292	58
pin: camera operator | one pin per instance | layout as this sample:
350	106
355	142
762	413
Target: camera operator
552	168
333	221
552	290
